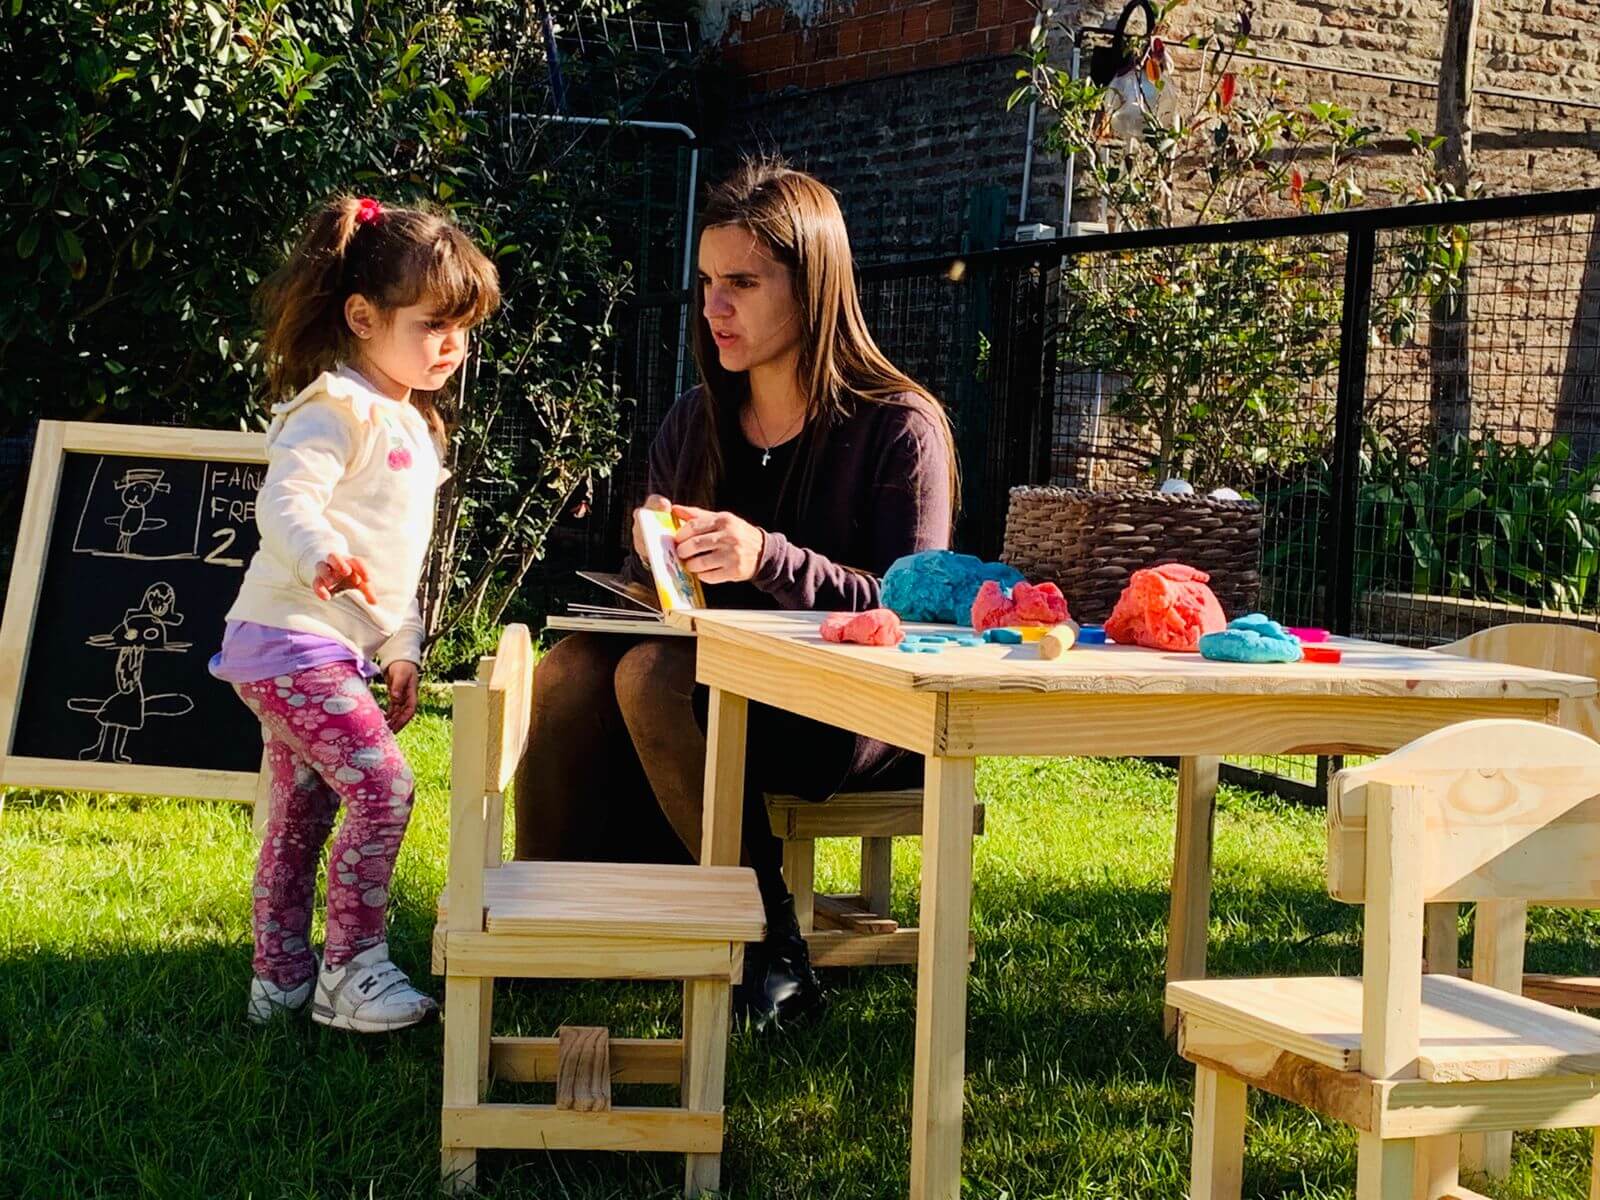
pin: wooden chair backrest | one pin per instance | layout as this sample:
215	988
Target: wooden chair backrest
1564	648
1506	814
508	674
489	729
1479	810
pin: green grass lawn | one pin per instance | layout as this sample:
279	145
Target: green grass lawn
127	1069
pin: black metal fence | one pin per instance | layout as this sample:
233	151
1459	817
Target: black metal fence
1413	393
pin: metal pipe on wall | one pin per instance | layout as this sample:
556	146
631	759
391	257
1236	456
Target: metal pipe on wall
1027	157
687	273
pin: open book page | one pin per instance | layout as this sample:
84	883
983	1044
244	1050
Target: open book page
637	611
636	599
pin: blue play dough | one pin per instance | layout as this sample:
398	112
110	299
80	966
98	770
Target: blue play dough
1255	638
939	585
1092	635
910	647
1004	635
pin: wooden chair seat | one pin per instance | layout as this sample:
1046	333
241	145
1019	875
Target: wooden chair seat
1468	1031
895	813
625	900
851	929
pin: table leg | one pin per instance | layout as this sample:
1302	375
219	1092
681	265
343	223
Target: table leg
705	1002
1441	938
1438	1172
727	715
1191	876
940	1073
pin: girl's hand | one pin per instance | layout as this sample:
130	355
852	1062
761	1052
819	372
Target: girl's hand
340	573
718	546
401	676
659	504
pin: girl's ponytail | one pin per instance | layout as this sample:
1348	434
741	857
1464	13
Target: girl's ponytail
301	305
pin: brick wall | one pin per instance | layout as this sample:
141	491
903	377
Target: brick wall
908	153
899	106
773	48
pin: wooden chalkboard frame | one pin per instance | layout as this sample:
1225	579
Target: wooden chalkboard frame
54	441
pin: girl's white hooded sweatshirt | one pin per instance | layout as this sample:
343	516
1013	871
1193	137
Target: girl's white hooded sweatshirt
349	471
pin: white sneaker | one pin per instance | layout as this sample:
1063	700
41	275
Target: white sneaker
268	1000
369	994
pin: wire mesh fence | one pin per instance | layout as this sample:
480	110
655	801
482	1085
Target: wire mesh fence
1412	395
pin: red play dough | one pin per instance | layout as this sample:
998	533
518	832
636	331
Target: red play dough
1028	604
992	607
1041	605
875	627
1166	608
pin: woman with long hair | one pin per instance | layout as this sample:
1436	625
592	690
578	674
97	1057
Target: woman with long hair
802	465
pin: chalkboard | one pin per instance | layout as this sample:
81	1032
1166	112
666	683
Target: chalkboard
132	547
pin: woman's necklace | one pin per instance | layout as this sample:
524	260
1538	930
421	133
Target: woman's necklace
768	443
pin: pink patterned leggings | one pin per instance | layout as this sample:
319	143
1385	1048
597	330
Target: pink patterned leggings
327	742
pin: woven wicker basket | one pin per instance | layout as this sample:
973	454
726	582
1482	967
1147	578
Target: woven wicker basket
1091	542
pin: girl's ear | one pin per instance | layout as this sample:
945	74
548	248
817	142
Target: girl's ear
360	315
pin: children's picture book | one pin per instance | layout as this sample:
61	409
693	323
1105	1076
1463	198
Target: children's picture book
634	607
676	588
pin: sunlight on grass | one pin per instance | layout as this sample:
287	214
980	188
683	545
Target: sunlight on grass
129	1070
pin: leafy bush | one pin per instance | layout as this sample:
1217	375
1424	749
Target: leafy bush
1213	349
158	159
1481	518
1477	519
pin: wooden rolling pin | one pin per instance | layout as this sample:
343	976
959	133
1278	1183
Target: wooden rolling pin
1058	639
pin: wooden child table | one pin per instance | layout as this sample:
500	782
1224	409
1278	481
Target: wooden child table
1106	701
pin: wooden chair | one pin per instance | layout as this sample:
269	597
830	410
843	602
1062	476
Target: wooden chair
1497	960
574	921
852	929
1482	811
1500	926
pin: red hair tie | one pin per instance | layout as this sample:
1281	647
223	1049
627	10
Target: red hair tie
368	211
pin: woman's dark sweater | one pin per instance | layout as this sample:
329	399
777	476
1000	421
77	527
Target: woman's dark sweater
881	490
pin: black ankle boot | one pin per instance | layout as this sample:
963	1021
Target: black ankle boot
779	986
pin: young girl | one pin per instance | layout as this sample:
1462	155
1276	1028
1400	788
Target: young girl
367	319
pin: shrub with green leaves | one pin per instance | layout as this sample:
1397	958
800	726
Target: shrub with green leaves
158	159
1490	520
1477	519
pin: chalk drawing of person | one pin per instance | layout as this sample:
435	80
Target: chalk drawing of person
149	625
126	710
139	486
